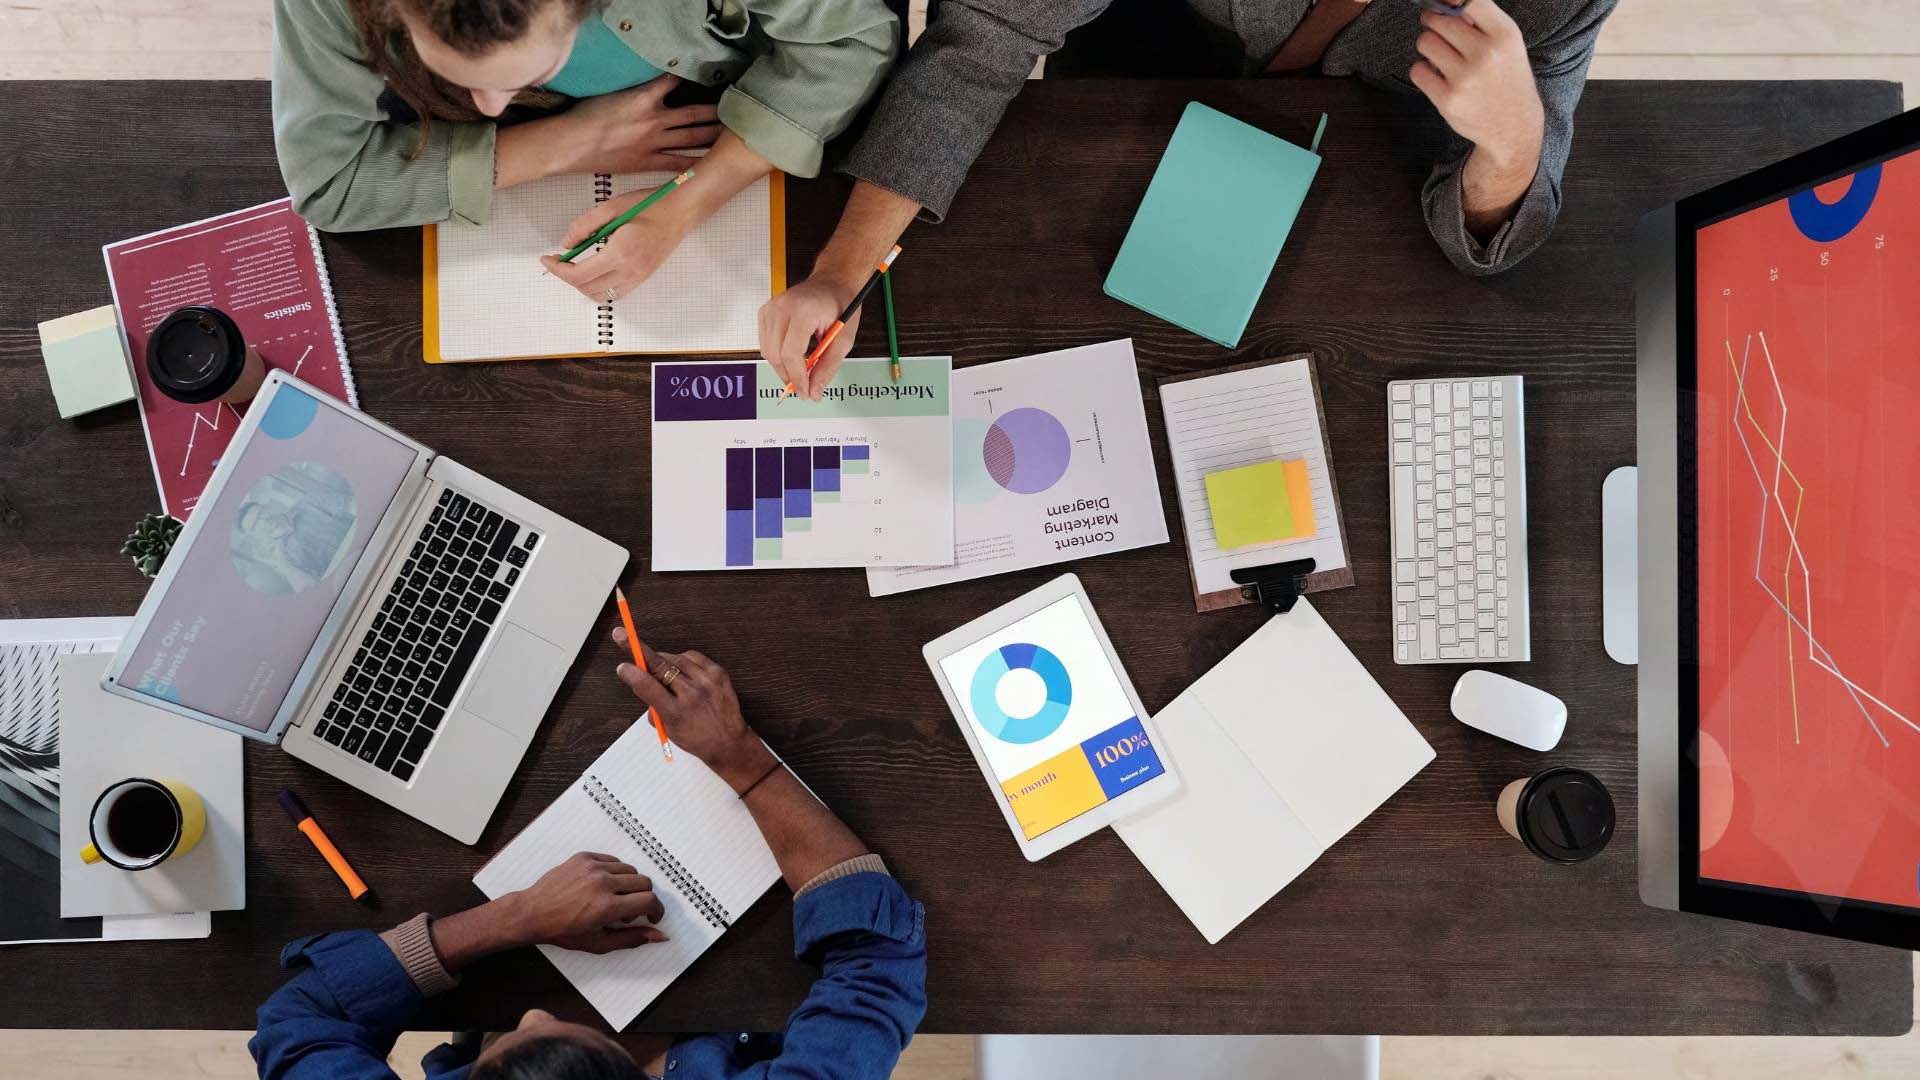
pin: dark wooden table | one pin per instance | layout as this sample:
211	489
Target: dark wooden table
1426	918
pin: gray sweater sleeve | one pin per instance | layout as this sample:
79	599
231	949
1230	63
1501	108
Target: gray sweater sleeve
1560	71
947	96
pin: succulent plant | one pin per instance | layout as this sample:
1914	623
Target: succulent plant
150	541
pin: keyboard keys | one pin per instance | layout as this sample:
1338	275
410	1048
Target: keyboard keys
517	556
509	532
1450	530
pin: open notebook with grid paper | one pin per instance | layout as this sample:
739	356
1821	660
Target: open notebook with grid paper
675	822
485	297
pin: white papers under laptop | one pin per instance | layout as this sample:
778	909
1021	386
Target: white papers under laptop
1289	740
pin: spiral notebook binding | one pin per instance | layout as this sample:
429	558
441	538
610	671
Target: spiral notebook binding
657	853
603	315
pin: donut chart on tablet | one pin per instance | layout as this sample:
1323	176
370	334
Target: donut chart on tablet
1003	663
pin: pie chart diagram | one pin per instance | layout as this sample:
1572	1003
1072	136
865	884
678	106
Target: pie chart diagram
1026	451
1003	663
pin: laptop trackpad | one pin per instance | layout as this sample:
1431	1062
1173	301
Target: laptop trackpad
516	681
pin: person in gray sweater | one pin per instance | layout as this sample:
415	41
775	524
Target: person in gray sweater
1506	84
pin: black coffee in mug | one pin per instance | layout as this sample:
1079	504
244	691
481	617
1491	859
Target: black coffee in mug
142	822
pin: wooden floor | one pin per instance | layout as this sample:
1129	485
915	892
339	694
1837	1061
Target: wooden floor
1707	39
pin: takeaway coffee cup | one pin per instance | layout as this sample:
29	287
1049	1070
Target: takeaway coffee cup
137	823
197	354
1562	815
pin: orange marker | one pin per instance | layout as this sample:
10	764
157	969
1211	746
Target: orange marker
640	661
297	811
839	324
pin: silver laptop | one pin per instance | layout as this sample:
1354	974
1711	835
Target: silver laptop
379	611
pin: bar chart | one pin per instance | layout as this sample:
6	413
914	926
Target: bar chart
774	492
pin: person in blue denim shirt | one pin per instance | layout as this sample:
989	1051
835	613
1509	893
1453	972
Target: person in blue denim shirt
353	993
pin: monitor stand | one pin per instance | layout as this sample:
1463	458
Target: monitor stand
1620	564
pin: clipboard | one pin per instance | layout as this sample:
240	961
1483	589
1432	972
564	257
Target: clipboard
1205	436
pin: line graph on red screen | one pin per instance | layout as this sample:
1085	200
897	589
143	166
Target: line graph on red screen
1771	476
1807	419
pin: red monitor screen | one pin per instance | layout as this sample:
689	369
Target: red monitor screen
1808	465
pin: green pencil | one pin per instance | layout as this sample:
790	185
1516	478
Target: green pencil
893	331
633	211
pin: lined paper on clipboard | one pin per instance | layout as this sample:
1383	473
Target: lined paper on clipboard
1264	411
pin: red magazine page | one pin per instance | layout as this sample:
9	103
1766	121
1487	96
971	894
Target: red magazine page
262	266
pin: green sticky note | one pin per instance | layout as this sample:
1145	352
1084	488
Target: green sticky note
1250	505
86	361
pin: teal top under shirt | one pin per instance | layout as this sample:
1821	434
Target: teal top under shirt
600	63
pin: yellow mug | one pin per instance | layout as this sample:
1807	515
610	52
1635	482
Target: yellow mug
138	823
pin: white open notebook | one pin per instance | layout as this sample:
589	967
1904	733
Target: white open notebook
1285	746
675	822
487	298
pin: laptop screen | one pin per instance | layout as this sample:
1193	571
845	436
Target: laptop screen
1808	376
269	562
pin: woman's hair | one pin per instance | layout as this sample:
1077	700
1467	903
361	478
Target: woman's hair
557	1057
473	27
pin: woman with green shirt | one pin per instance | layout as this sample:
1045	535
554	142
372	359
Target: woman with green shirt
794	72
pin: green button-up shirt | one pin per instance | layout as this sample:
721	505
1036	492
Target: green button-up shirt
795	72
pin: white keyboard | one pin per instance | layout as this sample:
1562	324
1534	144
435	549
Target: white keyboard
1458	477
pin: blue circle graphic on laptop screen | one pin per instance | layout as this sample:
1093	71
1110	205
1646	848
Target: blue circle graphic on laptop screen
1021	693
294	528
290	413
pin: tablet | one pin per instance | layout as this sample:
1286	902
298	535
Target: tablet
1051	718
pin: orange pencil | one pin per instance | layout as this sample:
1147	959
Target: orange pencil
640	661
839	324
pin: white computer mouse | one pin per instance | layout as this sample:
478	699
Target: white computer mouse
1509	709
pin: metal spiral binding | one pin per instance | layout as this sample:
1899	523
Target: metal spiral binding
658	854
603	316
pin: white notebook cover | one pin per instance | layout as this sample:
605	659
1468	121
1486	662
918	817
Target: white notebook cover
1288	741
494	301
690	814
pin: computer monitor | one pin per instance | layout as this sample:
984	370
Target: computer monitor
1779	543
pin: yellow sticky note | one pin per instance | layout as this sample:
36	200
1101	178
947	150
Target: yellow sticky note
1250	504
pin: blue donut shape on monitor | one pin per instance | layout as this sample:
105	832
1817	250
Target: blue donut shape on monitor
1822	222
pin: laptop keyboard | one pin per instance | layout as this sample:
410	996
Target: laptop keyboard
436	615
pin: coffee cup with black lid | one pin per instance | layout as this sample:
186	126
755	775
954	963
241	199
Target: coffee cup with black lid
1563	815
197	354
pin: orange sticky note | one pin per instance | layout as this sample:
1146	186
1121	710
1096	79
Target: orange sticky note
1300	497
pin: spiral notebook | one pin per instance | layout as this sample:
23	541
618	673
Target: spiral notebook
675	822
485	297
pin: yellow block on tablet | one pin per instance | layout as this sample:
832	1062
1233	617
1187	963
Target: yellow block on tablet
1260	504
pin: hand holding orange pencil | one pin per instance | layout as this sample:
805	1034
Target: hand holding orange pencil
640	661
825	340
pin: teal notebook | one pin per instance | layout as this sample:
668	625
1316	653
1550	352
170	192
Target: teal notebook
1211	225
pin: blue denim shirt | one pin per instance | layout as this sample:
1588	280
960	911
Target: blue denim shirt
338	1017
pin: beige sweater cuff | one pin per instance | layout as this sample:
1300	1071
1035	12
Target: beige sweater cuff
412	945
859	864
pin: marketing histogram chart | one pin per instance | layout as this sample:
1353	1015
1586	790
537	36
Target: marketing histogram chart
774	491
747	477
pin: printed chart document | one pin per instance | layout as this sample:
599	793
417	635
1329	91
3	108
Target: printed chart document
675	822
1285	746
1051	462
1259	412
486	297
32	652
747	477
262	266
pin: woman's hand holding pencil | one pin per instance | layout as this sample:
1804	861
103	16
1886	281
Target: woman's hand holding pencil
633	252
